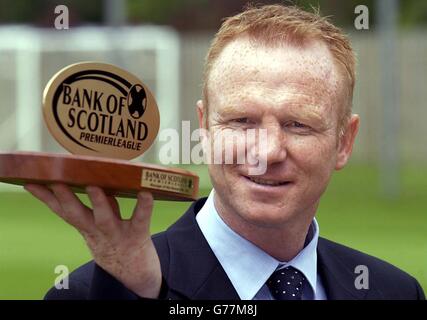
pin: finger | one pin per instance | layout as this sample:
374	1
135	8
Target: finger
142	213
105	219
46	196
114	206
73	210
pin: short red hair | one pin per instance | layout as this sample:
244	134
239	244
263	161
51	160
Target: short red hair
272	24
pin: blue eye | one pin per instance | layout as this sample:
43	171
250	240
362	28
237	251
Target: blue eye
297	124
241	120
298	127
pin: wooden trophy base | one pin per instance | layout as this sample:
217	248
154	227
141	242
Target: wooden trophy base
117	177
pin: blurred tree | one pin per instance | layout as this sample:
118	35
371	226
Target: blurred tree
340	12
156	11
41	12
192	14
184	14
413	13
17	11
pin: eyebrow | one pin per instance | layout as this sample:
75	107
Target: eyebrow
306	111
231	109
300	110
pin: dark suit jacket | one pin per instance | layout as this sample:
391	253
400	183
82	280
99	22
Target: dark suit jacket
191	271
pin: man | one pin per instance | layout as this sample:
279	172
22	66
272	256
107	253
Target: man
275	68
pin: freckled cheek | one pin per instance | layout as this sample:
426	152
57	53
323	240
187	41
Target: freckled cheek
229	146
311	155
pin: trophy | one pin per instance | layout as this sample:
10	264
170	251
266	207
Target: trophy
105	116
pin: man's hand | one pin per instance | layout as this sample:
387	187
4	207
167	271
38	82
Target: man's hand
121	247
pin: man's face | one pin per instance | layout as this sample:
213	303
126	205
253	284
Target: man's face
294	93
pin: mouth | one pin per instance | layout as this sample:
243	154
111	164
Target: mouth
267	182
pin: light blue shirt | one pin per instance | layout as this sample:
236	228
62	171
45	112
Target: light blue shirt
247	266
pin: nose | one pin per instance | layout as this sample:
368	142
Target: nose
271	144
276	151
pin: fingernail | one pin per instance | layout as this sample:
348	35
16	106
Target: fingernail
144	195
90	189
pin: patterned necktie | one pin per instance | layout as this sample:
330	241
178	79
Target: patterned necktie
286	284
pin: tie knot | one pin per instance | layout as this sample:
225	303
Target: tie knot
286	284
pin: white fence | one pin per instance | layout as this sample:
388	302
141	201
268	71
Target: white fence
30	56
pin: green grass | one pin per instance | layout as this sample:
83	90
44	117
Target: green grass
33	240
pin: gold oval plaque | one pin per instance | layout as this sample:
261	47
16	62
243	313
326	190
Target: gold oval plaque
98	109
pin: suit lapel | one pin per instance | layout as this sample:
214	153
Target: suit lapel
197	273
337	276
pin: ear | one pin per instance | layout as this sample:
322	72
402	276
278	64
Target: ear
201	114
345	146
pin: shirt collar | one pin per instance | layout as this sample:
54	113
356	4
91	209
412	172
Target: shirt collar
246	265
